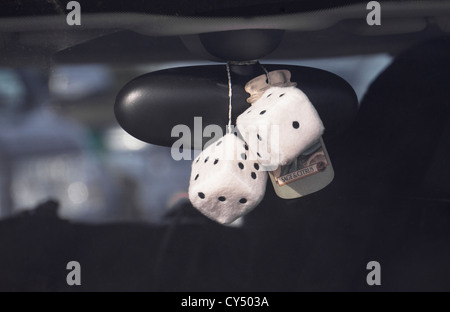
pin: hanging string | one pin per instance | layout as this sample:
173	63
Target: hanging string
230	94
267	74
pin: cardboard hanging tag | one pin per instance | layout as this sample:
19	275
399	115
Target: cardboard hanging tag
309	173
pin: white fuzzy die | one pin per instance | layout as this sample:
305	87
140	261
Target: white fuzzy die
225	183
280	125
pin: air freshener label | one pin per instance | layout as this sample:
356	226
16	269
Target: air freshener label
308	173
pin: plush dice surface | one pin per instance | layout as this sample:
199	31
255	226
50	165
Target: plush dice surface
225	182
280	125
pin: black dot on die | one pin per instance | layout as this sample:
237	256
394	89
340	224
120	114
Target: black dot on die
222	198
218	143
206	159
235	134
197	160
249	111
258	154
241	165
216	161
282	94
269	94
256	166
259	137
246	147
253	175
243	156
196	177
295	125
201	195
262	112
242	200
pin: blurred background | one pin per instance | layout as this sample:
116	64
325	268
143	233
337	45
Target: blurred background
59	140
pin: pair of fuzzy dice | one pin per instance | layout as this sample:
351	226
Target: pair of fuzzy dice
226	180
281	123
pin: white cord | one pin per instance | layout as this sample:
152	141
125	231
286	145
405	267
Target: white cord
267	74
230	94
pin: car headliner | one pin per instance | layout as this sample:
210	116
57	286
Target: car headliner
119	32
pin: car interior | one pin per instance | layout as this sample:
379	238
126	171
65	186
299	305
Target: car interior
87	174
